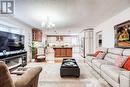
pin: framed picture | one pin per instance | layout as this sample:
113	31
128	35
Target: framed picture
122	35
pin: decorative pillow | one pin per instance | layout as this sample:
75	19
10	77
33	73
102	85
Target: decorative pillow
127	64
119	61
100	55
96	53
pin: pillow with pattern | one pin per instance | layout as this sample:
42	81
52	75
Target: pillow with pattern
119	61
96	53
101	55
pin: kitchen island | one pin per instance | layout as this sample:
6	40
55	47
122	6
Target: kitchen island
63	51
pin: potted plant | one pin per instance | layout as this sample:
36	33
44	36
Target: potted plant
46	46
33	49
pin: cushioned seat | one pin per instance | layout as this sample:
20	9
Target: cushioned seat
112	71
126	73
28	79
40	54
107	67
89	58
99	62
103	49
41	57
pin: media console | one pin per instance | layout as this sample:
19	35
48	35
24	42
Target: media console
15	59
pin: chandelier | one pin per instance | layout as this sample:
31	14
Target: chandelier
47	24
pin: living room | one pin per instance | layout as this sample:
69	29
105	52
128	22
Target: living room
69	43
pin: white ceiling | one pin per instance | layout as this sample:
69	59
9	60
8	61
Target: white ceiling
68	13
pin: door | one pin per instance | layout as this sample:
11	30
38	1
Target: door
98	39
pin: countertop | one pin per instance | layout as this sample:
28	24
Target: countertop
62	47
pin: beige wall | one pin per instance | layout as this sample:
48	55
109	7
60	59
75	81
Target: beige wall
107	28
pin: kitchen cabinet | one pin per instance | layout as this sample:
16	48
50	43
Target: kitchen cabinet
36	35
63	51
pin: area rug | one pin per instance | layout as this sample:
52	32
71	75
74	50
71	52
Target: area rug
50	77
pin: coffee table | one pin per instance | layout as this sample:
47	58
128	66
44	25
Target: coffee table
69	67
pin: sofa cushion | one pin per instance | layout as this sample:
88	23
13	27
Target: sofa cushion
117	51
96	53
29	78
41	57
112	82
5	78
89	58
101	55
126	52
103	49
110	57
126	73
99	62
112	71
120	60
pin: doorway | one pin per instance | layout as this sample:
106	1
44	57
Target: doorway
98	39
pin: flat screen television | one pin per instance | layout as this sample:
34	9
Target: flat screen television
11	41
122	35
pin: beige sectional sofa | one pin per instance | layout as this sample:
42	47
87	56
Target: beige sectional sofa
115	76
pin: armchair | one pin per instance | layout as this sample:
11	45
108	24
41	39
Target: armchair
27	79
40	55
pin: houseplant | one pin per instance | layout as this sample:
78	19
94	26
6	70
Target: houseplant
33	49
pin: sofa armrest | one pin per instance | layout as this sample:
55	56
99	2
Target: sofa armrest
29	78
125	79
90	55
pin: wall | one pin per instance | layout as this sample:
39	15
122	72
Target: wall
20	28
107	28
66	40
64	31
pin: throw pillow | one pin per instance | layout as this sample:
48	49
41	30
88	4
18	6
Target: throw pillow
100	55
119	61
127	64
96	53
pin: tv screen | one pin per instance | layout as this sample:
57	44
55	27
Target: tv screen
11	42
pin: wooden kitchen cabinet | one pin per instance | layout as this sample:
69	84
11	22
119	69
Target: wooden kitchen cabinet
36	35
63	52
69	52
57	52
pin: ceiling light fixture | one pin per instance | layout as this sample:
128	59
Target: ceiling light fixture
47	24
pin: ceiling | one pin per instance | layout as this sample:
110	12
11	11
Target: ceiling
68	13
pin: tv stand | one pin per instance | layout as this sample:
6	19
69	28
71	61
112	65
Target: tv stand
14	60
